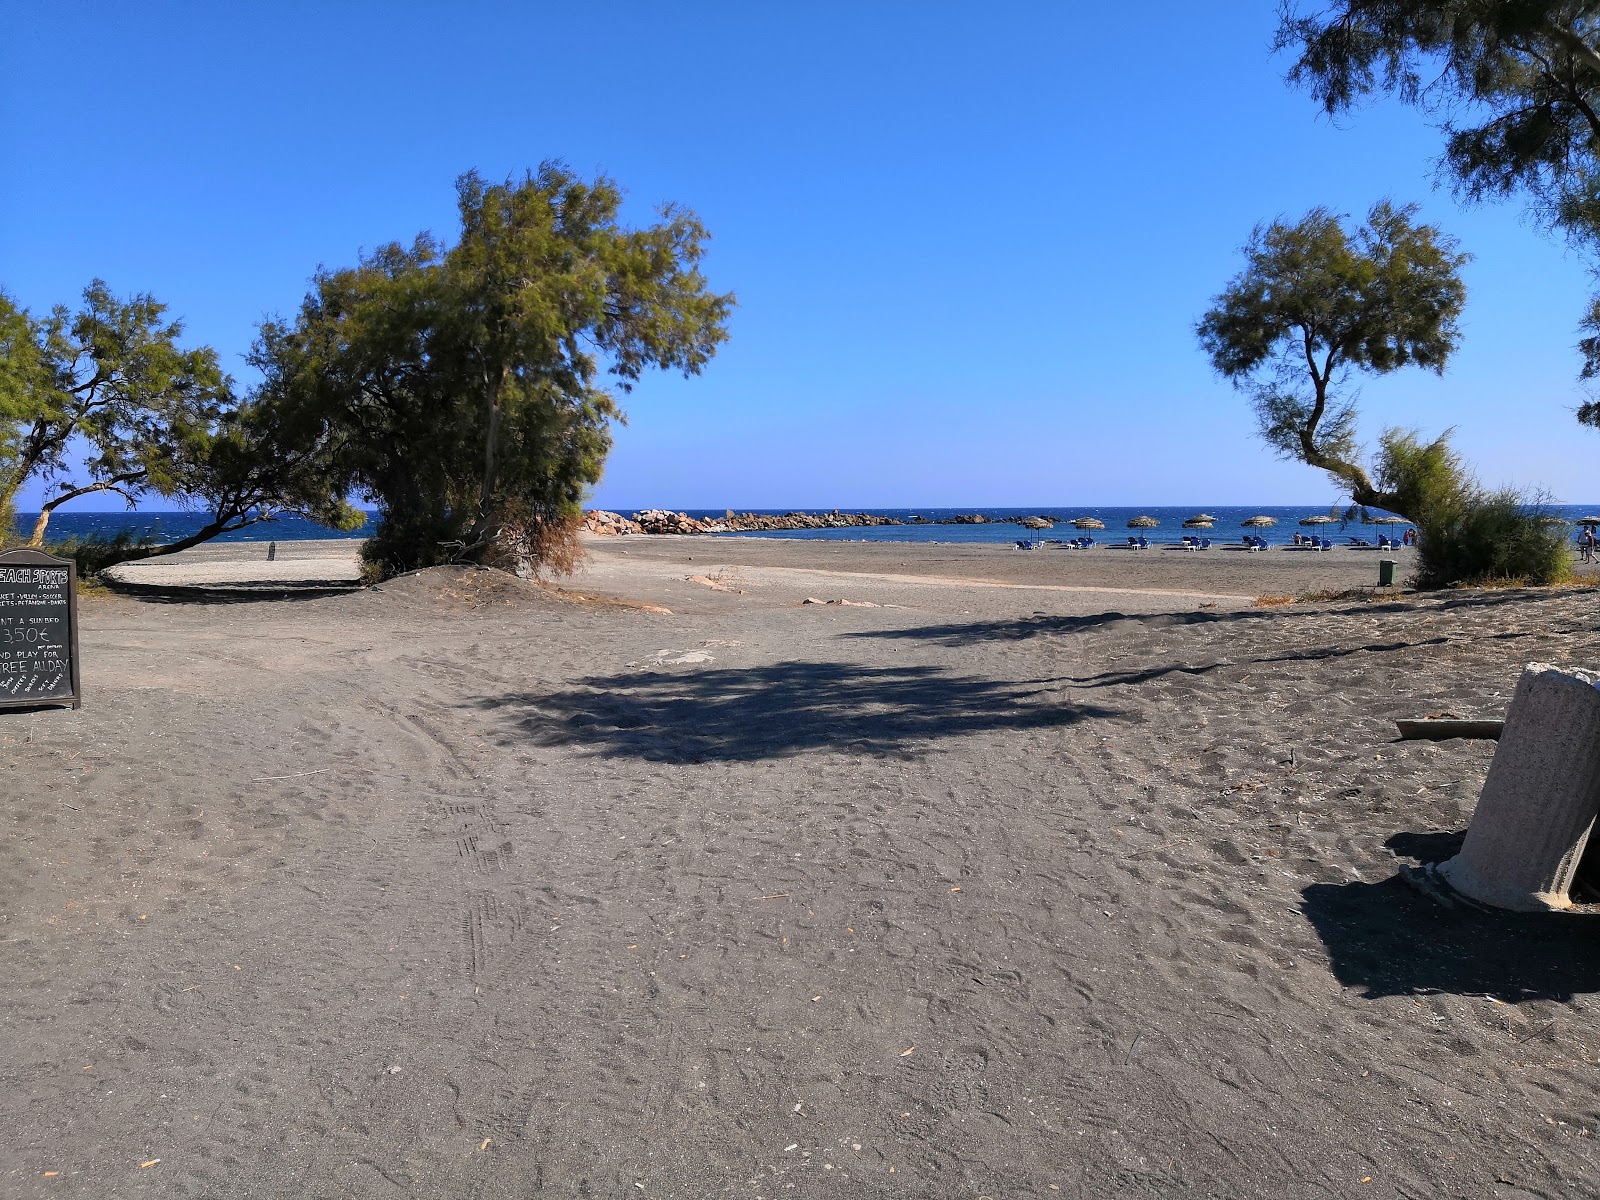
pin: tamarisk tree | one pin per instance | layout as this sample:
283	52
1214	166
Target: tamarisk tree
1513	84
105	400
107	383
469	389
1317	302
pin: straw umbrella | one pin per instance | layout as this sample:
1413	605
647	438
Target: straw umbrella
1089	523
1317	521
1261	522
1390	521
1587	521
1200	522
1151	523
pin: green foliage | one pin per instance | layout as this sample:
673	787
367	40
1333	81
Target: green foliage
1423	477
1467	534
109	383
460	388
1315	302
1528	72
1515	85
94	555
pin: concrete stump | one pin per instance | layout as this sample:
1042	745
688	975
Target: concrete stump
1541	798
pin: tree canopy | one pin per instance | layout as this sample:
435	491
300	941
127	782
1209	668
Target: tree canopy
108	382
464	388
1514	84
1317	301
104	399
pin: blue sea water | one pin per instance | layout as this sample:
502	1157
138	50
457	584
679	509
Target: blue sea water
170	526
1229	526
163	527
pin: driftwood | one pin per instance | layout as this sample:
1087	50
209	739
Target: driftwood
1435	730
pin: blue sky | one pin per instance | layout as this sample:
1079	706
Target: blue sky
969	241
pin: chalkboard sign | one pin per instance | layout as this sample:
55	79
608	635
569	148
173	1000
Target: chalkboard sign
38	629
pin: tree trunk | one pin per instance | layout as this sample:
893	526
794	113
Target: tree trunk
1353	475
478	535
116	483
215	528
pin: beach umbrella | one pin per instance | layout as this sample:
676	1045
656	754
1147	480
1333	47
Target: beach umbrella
1318	521
1151	523
1089	523
1202	517
1390	521
1261	522
1587	521
1199	523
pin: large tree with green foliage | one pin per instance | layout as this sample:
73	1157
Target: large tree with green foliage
104	399
463	388
1514	84
1316	302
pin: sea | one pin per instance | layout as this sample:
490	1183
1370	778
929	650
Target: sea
163	527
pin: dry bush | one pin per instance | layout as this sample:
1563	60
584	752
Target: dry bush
537	546
1272	601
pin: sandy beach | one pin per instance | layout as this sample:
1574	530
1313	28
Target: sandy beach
1018	875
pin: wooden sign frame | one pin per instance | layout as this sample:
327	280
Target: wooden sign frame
38	558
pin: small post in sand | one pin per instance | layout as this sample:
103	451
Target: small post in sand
1539	803
272	551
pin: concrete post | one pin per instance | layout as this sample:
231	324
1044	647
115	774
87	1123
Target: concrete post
1541	798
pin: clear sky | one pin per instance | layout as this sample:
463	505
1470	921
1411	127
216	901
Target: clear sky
969	240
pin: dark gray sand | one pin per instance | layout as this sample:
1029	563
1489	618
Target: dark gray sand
453	888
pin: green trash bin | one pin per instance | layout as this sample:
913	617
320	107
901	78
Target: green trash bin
1386	572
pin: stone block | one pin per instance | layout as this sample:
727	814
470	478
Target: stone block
1541	798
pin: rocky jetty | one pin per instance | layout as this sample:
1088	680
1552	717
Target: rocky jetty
609	524
660	520
655	520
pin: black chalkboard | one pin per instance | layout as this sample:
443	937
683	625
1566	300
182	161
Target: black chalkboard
38	629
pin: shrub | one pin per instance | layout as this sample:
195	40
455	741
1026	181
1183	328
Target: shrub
94	554
1468	534
1494	537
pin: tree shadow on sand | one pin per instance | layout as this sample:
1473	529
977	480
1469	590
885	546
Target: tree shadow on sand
1390	940
740	714
222	595
1040	624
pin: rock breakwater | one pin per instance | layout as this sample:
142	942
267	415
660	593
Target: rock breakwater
660	521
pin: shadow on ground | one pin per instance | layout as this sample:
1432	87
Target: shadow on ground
276	593
747	713
969	633
1390	940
